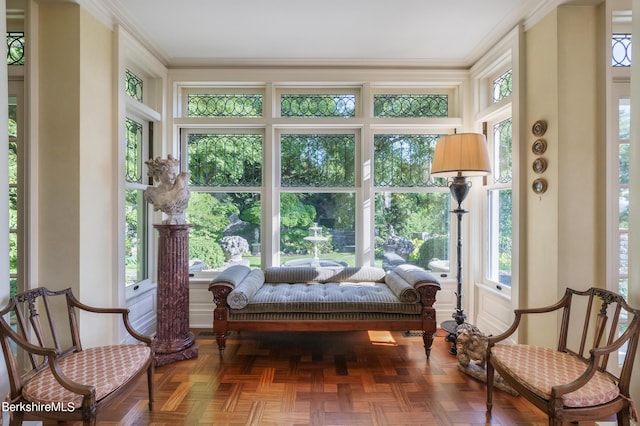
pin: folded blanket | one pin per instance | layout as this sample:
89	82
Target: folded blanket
401	288
240	296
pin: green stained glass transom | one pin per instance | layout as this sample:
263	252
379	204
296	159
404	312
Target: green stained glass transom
502	86
410	106
318	160
224	105
319	105
133	153
15	48
225	159
404	160
502	133
134	85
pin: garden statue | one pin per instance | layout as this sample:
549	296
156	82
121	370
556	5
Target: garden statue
171	196
233	247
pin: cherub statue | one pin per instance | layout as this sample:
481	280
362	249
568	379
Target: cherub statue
171	196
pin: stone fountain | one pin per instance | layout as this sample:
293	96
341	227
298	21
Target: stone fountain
316	239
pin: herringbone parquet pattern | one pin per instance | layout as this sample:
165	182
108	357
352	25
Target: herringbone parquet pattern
317	379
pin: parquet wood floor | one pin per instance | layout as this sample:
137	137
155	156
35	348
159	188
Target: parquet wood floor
317	379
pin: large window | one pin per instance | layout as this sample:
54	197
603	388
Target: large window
226	179
499	205
14	206
340	174
498	259
138	132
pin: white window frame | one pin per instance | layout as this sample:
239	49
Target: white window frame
134	57
364	126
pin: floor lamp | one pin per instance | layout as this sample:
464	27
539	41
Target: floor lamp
459	156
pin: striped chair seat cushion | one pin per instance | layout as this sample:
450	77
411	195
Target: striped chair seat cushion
328	297
106	368
539	369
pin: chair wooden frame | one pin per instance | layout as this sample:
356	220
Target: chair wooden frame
607	340
39	339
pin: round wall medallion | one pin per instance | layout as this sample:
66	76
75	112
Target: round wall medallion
539	128
539	186
539	146
539	165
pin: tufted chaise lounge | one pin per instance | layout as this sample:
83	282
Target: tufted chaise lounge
324	299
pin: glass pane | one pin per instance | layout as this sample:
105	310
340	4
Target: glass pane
621	50
624	119
224	105
500	232
13	117
623	164
225	159
318	160
134	85
13	207
623	266
502	86
15	48
410	106
13	145
412	227
13	253
502	137
226	229
317	229
623	208
133	151
135	236
404	160
319	105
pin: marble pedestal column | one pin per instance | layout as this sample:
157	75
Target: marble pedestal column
174	341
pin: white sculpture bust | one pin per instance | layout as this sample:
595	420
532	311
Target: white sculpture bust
171	196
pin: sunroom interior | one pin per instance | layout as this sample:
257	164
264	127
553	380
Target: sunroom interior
310	153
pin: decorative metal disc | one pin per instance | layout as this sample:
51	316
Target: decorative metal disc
539	128
539	186
539	146
539	165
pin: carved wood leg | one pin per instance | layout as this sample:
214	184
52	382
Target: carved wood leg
490	373
15	418
150	385
427	338
221	339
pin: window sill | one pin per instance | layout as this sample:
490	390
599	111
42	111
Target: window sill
136	290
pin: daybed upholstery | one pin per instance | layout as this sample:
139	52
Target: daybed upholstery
324	299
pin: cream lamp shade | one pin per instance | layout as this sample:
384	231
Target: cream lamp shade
461	154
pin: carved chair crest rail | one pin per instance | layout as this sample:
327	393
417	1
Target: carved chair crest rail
587	376
50	374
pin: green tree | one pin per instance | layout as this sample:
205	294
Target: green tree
296	217
209	217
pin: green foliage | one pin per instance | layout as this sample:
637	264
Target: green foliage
318	160
225	160
296	218
294	213
209	217
408	213
433	248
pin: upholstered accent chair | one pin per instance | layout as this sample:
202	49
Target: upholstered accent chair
587	376
50	374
